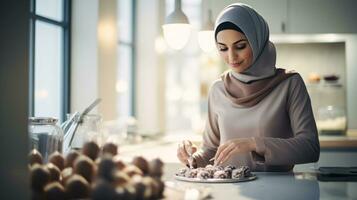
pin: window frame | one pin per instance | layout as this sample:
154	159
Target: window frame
132	46
65	25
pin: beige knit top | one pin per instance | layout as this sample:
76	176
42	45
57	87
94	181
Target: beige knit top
282	124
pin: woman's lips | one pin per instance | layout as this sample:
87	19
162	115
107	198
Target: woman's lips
235	65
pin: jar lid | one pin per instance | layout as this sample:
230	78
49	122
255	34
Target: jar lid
43	120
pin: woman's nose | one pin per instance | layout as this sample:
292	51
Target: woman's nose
232	56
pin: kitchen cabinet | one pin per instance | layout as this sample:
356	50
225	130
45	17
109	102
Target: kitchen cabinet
322	16
300	16
273	11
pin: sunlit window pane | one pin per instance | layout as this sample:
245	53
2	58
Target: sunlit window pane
124	80
48	73
125	59
125	20
50	8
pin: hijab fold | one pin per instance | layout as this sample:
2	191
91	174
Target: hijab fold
249	87
250	94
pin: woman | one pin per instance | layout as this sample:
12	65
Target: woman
258	115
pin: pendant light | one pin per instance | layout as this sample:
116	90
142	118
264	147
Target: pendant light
206	39
177	29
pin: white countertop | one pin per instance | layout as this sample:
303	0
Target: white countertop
302	184
270	185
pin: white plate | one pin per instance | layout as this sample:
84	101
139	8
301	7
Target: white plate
216	180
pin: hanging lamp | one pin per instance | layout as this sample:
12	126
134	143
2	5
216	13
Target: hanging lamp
206	35
177	29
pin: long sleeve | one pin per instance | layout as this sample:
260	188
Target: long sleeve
211	135
304	146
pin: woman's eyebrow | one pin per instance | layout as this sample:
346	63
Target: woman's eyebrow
241	40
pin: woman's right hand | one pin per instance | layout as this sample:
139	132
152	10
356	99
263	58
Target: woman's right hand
184	150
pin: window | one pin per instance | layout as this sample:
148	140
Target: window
49	58
125	86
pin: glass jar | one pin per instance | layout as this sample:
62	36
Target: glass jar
88	130
331	116
331	120
45	136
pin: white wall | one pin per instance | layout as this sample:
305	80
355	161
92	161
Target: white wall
94	55
84	54
107	57
149	72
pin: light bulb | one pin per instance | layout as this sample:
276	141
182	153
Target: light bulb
177	35
206	39
177	29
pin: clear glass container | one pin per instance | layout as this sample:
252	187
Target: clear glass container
333	94
45	136
88	130
331	117
331	120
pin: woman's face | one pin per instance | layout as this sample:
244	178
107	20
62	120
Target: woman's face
235	50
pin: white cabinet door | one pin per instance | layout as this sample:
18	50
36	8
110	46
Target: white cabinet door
300	16
322	16
273	11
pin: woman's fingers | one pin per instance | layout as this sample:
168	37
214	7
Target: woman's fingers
188	147
219	150
231	147
181	153
229	154
187	142
194	149
184	149
182	160
224	152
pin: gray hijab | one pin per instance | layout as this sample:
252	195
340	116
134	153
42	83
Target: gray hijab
256	30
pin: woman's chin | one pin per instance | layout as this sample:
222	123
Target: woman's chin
237	70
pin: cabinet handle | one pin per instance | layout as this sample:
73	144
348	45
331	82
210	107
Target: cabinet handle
283	27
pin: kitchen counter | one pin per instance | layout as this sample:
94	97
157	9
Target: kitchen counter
268	185
338	142
349	141
302	184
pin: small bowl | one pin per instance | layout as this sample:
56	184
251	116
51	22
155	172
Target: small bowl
331	78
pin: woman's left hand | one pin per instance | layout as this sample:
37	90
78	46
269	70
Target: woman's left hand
232	147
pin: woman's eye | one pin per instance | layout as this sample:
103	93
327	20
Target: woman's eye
223	49
241	46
